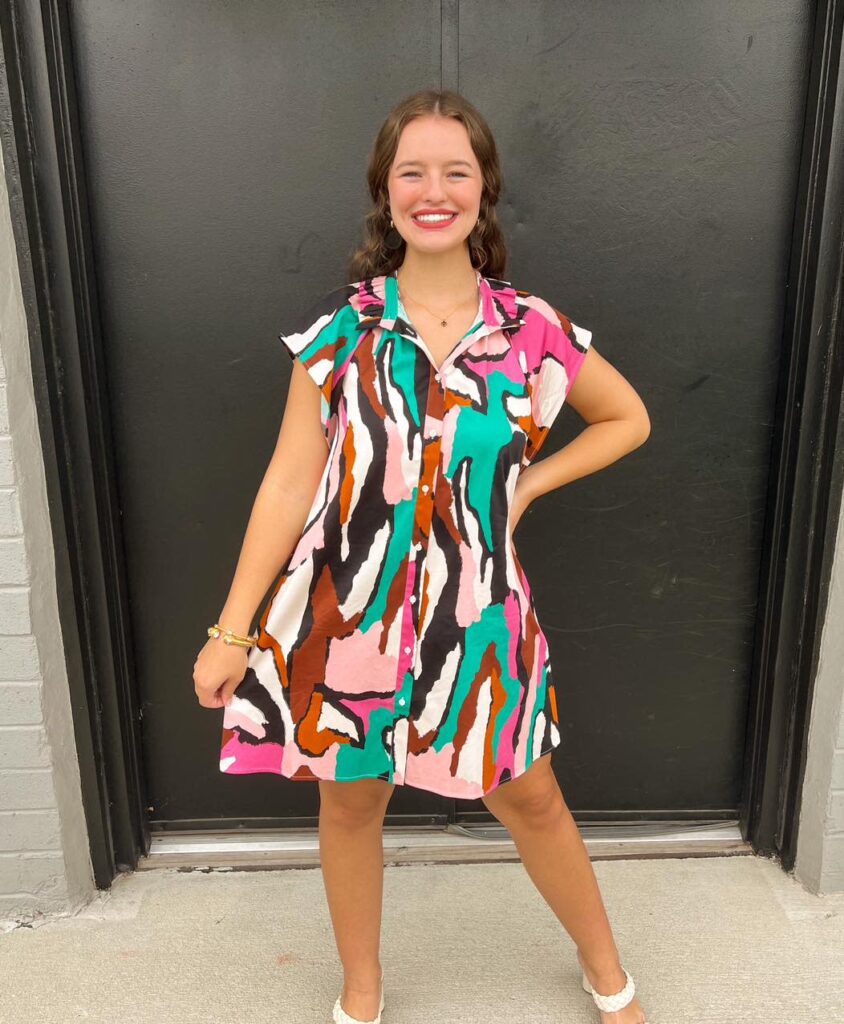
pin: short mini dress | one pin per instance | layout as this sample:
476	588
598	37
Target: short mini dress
400	641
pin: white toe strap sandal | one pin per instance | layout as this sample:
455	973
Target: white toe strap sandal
614	1002
341	1017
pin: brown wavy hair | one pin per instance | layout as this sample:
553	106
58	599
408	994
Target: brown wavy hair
487	249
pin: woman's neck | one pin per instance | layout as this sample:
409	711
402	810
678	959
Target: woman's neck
440	279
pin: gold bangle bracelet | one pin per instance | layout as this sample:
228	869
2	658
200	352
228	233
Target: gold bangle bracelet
229	637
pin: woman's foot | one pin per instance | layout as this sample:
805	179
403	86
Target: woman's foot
608	984
361	997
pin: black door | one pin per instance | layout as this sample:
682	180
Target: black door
650	154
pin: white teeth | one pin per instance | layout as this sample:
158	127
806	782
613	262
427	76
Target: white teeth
434	217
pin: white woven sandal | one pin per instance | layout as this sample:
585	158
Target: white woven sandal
341	1017
614	1002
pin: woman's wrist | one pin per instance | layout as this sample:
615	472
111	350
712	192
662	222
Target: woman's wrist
237	622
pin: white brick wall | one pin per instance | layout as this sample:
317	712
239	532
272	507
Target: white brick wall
31	859
820	847
44	858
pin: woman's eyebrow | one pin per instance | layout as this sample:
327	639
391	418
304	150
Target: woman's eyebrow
448	163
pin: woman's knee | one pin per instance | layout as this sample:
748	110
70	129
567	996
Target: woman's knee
354	804
533	797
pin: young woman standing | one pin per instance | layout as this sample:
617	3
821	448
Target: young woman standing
401	645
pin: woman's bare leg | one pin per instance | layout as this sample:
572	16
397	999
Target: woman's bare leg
531	807
351	849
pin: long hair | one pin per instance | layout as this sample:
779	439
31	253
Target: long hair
487	249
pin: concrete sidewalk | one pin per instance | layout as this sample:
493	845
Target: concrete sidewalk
720	939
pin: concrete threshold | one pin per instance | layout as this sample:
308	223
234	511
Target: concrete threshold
454	844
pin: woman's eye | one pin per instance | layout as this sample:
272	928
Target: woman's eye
416	173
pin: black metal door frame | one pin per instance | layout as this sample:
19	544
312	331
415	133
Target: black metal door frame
45	173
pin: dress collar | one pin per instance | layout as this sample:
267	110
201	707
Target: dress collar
377	303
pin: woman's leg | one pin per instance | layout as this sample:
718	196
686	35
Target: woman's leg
531	807
351	849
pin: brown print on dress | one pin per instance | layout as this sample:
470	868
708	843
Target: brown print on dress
552	699
325	605
424	600
528	644
489	668
308	668
266	641
394	602
347	483
425	499
442	502
365	360
310	738
497	705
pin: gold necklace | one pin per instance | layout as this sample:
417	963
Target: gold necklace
443	320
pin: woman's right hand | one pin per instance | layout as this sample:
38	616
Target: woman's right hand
218	671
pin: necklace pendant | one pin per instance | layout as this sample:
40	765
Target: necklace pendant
444	323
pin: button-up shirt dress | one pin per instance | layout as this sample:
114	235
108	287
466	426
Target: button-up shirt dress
401	641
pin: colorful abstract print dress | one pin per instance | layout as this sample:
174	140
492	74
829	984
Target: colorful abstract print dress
401	640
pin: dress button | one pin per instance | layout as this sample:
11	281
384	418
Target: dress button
425	488
407	650
413	598
401	701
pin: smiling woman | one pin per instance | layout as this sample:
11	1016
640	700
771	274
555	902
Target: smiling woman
401	644
432	191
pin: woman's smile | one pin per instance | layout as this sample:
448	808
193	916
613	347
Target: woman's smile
434	220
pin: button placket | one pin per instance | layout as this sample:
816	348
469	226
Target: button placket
414	576
408	641
423	515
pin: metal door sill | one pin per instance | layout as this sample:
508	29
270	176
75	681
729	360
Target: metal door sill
455	844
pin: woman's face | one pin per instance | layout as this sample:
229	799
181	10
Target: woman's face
435	169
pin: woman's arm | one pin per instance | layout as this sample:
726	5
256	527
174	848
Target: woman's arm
618	424
282	503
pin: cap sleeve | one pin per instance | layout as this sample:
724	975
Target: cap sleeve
315	339
550	379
